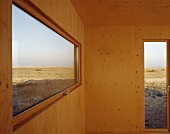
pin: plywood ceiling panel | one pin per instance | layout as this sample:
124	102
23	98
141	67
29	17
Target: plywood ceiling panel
123	12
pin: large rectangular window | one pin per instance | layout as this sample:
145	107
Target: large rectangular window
43	62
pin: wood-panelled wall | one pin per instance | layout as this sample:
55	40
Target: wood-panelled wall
64	117
62	12
114	66
67	116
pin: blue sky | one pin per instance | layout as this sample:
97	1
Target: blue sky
34	44
155	54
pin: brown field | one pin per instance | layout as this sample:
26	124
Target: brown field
155	98
155	78
34	84
23	74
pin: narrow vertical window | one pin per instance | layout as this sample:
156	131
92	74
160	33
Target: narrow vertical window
155	85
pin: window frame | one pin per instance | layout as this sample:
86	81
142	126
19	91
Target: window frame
30	8
150	130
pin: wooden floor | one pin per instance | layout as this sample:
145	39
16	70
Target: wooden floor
128	133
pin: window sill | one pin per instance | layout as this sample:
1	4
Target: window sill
27	115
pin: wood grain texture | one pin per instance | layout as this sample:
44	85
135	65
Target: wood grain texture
125	133
67	116
123	12
114	75
21	119
62	12
5	67
64	117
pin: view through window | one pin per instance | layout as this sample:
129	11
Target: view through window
43	61
155	85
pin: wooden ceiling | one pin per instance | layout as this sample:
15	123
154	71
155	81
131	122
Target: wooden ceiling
123	12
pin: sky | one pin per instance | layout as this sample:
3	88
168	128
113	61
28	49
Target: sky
155	54
34	44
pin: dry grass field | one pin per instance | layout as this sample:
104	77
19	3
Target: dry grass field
34	84
155	78
155	98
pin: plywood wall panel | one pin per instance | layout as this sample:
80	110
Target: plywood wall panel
67	116
115	76
125	133
62	12
123	13
64	117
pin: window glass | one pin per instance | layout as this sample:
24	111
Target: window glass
155	63
43	62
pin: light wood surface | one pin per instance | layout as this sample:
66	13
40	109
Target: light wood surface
62	12
27	115
125	133
114	65
123	12
5	67
64	117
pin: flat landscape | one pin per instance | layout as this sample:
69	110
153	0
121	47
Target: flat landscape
34	84
155	98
